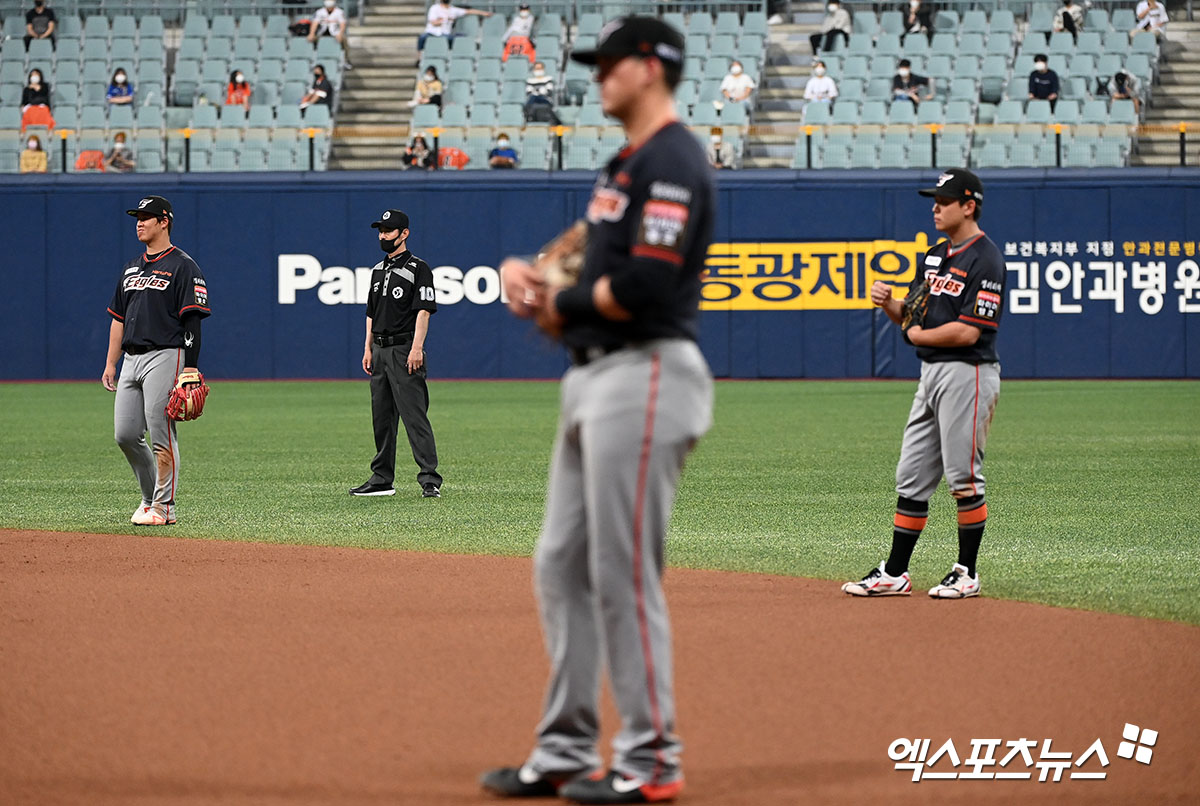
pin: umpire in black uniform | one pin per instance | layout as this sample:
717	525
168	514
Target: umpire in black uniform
398	310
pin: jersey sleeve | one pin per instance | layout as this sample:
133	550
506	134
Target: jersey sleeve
191	291
983	296
116	306
424	297
665	215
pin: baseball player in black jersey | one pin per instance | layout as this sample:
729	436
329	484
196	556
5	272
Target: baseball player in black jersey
960	382
160	300
634	403
399	305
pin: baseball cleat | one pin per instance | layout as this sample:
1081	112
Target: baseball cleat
613	787
367	488
431	490
144	505
958	584
521	782
153	515
880	583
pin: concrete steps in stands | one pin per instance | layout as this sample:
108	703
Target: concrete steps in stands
372	119
780	100
1175	100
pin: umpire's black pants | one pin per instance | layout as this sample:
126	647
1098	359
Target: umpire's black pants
397	395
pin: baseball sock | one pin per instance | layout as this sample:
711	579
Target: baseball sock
909	521
972	517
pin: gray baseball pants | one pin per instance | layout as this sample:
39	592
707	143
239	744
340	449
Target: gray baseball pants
628	421
947	429
145	384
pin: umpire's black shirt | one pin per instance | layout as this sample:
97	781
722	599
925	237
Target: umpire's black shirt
650	221
400	286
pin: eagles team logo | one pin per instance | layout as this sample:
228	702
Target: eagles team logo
142	204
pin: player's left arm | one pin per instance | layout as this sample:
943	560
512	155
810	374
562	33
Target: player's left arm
425	301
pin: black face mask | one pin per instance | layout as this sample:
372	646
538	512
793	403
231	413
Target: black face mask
316	76
388	245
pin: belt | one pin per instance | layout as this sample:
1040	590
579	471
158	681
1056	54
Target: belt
388	341
142	349
581	356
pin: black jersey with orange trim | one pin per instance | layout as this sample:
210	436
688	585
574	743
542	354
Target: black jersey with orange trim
650	222
965	285
153	295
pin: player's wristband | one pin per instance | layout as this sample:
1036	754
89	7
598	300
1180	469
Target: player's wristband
576	302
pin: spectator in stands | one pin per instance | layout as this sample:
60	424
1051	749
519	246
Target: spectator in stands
837	21
120	91
1069	18
418	154
521	25
238	92
40	23
36	92
737	85
539	96
33	158
1151	16
321	91
328	21
908	87
428	90
1043	82
440	21
820	89
1124	85
720	153
120	157
503	155
917	20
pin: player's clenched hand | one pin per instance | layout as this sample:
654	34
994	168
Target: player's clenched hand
366	362
416	357
522	286
881	293
547	316
109	378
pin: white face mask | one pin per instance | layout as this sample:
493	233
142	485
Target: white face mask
429	76
239	79
819	71
33	145
35	81
903	71
502	143
1040	65
525	13
716	138
539	72
118	144
832	7
119	78
736	69
915	4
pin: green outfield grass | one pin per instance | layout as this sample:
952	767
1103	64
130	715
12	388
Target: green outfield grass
1092	486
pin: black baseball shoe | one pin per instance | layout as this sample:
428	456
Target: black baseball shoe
367	488
431	490
521	782
617	788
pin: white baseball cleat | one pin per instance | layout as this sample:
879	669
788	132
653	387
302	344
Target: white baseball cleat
958	584
153	515
880	583
142	506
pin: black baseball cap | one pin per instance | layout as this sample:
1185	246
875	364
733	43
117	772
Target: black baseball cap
958	184
156	206
636	36
390	220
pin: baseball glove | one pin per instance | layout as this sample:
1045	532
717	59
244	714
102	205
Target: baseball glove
187	398
560	262
914	306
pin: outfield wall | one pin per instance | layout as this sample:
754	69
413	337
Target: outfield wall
1103	269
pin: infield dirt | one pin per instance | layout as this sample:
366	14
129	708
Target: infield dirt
149	669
